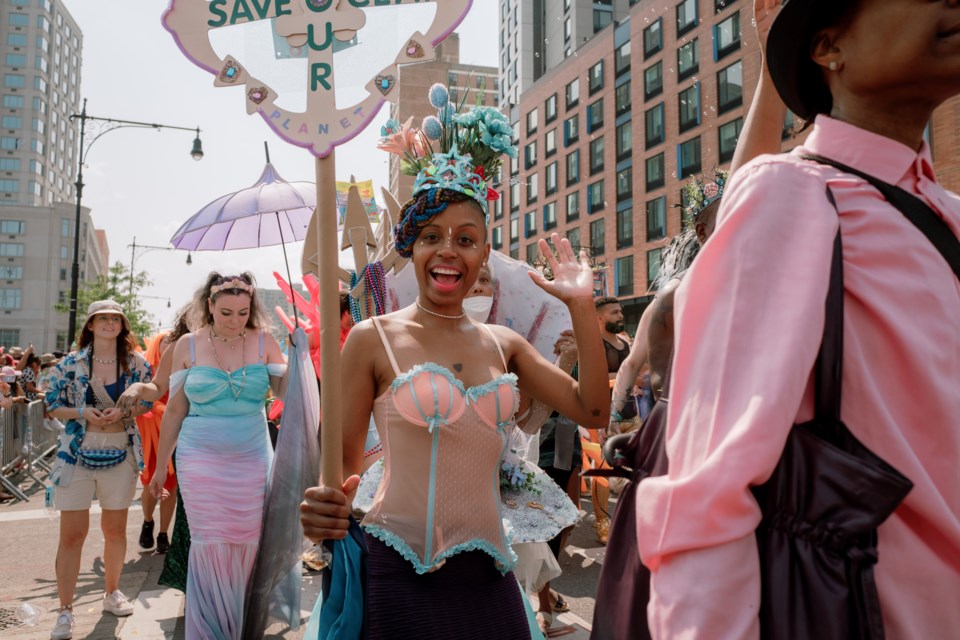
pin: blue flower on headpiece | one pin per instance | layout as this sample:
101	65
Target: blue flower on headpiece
439	96
389	128
432	128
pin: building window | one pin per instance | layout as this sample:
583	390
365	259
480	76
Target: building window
621	59
573	167
532	121
653	81
573	206
533	252
601	18
624	140
11	250
730	87
550	109
573	93
16	60
573	237
13	227
688	60
550	143
9	298
596	77
530	154
655	171
14	81
549	216
9	336
18	20
653	266
726	37
625	275
688	157
64	252
10	164
11	186
550	181
653	38
533	188
514	196
17	40
623	97
8	143
689	107
653	120
596	155
529	224
496	238
595	201
65	227
12	102
728	134
686	16
498	207
595	116
514	230
656	218
571	129
624	184
598	237
567	29
11	272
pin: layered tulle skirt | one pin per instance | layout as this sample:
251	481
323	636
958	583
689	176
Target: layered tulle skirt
222	465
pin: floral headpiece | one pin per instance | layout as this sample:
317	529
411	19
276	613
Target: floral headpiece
236	283
452	150
699	193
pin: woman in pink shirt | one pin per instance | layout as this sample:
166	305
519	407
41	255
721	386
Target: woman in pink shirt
750	319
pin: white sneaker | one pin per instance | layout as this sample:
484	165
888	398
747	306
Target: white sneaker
64	627
117	604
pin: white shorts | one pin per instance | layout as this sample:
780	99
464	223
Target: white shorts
113	487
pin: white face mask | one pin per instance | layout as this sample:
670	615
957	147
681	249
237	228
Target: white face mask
478	307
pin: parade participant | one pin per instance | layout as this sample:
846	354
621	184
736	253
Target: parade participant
750	321
99	453
220	375
149	424
443	390
175	561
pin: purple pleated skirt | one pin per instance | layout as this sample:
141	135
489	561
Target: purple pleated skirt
467	598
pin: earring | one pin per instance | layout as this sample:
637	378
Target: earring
833	65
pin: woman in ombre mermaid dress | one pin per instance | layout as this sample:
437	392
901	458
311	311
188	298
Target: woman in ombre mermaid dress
215	419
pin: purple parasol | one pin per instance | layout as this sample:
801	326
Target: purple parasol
272	211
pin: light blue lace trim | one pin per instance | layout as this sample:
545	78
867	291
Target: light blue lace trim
429	367
399	545
475	393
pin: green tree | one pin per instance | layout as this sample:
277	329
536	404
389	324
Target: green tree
116	285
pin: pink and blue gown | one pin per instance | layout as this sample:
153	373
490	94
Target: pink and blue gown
223	457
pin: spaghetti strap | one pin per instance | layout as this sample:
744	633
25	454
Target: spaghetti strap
260	357
499	348
193	352
386	345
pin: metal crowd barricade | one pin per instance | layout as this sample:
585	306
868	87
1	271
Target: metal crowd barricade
25	443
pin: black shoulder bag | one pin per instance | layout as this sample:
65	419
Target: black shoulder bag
821	507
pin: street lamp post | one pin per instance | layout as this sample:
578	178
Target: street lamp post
106	126
146	248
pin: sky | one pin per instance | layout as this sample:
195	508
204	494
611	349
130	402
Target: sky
144	184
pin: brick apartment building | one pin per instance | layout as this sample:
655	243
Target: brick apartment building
465	81
608	137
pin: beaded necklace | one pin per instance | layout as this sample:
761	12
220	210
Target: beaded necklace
243	365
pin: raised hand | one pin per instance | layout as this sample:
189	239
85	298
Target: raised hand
571	279
764	13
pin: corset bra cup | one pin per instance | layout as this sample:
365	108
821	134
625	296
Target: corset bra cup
210	390
430	395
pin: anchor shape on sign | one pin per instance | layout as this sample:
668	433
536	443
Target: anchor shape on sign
313	26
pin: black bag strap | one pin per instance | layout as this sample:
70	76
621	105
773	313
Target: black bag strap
914	209
828	370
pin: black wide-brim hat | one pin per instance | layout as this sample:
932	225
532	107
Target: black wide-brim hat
798	79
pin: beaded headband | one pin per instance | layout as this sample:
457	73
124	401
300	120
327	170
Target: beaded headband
236	283
700	193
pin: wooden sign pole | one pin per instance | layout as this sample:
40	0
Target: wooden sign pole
331	441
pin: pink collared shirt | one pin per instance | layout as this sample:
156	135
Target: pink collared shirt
749	322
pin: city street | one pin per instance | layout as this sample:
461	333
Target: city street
29	547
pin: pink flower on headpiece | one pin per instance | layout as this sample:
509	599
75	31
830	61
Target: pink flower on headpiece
711	190
406	141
